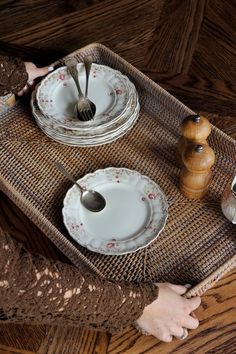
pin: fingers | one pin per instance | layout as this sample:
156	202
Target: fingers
194	303
163	333
26	89
176	331
20	93
190	322
164	336
166	339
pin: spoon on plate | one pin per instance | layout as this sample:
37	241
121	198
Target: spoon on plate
90	199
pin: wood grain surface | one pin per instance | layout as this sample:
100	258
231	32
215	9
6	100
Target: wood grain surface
189	48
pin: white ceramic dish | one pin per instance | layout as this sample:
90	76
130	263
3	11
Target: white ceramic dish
85	133
135	213
80	138
85	142
108	89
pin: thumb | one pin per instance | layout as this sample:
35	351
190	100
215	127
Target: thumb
43	71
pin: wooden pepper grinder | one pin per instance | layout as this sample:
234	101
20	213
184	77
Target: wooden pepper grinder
196	173
195	129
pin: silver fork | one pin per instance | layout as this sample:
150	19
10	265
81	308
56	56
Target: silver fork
84	110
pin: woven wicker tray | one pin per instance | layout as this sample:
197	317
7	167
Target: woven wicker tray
197	245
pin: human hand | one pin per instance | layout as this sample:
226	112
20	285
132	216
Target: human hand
33	73
170	314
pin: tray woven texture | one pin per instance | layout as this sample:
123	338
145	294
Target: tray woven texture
198	244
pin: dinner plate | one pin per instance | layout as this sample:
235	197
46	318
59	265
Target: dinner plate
108	89
83	132
97	136
86	142
135	213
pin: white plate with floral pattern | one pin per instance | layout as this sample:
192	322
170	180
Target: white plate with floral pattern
86	142
97	136
94	132
136	212
108	89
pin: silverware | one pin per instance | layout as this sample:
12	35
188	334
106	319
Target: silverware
90	199
88	61
83	108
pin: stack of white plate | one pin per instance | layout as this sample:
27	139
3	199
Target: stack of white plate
115	97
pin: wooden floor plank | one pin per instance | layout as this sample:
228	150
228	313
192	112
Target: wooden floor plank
171	50
21	337
36	10
97	25
63	340
198	93
217	39
9	350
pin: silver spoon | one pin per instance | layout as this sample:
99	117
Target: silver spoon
90	199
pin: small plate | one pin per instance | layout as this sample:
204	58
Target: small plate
135	212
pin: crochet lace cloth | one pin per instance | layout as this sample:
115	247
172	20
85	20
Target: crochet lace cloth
36	290
13	75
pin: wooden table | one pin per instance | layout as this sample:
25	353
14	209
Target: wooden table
185	62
